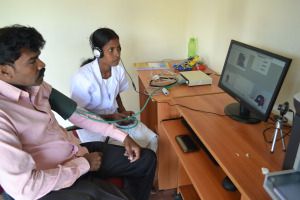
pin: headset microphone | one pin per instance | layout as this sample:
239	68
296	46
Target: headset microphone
133	85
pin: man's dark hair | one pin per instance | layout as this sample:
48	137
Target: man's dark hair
14	38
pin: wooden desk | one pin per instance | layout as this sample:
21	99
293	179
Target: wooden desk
156	111
240	150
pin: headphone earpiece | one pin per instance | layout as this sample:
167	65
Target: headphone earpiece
97	52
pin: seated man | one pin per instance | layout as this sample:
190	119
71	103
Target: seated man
39	159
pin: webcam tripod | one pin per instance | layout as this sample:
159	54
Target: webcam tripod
279	124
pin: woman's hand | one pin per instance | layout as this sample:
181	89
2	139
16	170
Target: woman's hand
123	115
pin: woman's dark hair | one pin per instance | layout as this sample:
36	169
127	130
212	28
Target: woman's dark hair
99	38
14	38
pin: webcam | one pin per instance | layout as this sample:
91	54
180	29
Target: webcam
283	108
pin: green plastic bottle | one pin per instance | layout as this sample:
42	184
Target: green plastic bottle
192	47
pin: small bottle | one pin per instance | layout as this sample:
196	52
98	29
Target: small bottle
192	48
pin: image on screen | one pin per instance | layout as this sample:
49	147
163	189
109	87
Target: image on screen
253	77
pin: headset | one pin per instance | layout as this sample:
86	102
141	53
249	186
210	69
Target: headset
98	53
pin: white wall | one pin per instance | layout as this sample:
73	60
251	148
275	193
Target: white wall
149	30
272	25
159	29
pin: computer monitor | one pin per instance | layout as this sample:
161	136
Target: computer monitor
253	77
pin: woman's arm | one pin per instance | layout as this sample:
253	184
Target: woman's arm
121	108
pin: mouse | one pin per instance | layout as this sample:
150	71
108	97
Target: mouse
228	185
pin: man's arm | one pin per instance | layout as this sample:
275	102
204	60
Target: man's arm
132	148
96	124
62	104
18	173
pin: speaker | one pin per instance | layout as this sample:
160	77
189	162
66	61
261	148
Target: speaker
294	141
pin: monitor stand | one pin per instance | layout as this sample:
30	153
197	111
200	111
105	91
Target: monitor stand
240	113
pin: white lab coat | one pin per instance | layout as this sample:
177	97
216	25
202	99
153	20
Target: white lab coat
89	90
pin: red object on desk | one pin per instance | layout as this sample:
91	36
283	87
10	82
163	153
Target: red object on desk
199	67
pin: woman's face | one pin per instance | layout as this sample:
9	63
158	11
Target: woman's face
112	53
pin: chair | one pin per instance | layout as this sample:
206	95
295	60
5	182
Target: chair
60	195
4	195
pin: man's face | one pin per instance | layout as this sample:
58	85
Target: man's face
29	70
112	53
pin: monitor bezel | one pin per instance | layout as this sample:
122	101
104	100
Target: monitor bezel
260	115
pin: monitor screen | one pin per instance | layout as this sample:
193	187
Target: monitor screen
253	77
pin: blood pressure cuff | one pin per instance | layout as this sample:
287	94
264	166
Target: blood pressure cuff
63	105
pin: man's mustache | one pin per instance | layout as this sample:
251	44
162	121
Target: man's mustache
41	73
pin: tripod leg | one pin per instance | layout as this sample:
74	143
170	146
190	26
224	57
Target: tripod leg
283	142
274	140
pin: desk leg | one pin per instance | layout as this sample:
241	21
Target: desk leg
167	158
148	115
183	178
185	186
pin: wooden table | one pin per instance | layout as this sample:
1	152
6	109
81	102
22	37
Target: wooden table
158	109
240	150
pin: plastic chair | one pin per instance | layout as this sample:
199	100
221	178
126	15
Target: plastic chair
59	195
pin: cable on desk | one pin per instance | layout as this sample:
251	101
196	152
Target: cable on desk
207	112
164	79
284	134
222	115
158	83
150	89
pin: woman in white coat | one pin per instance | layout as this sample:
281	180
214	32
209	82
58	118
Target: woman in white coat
97	85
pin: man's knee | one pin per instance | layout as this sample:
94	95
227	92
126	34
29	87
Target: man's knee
148	156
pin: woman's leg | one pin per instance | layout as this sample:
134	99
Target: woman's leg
153	144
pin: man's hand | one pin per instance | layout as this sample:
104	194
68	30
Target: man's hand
94	159
133	150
